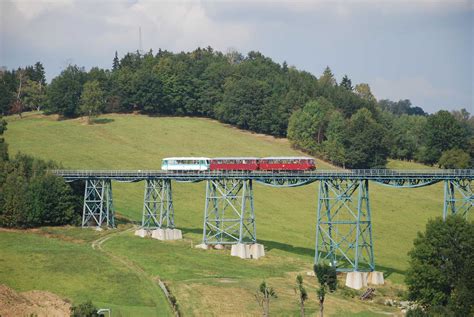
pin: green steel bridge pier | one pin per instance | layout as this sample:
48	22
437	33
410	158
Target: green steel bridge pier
343	235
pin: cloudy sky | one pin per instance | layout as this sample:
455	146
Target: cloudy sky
420	50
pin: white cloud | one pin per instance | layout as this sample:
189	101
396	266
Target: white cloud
31	9
114	25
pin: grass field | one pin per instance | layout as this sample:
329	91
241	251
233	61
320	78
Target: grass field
205	282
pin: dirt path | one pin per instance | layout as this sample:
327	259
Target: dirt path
142	275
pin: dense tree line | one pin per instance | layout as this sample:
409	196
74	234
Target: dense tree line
341	122
23	89
30	196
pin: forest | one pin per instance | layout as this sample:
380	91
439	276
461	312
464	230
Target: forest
340	122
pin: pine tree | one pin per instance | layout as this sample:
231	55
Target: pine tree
346	83
327	78
39	74
116	62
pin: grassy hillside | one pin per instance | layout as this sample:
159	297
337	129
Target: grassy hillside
285	217
68	266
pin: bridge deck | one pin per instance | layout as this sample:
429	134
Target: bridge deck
370	174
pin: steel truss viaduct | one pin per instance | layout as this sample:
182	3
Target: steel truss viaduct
343	221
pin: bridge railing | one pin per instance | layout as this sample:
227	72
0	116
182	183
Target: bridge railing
342	173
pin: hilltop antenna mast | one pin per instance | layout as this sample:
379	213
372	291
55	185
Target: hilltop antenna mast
140	44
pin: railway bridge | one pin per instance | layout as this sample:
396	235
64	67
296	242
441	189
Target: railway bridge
343	221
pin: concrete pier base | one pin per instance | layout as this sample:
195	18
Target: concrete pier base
166	234
241	250
219	247
158	234
256	251
247	251
375	278
177	234
356	280
141	233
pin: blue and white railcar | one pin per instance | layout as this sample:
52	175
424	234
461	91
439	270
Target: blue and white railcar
185	164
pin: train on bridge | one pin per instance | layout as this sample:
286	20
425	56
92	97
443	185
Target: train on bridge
280	163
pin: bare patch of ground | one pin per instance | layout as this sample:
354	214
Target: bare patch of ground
37	303
212	301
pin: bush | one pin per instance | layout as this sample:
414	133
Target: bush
86	309
416	312
326	275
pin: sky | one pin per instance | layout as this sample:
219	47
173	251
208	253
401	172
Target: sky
420	50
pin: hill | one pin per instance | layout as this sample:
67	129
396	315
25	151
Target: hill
203	281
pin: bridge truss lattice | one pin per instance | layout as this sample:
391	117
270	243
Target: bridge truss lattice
343	222
98	208
229	215
158	211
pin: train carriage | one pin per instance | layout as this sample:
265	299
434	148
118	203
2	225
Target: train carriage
185	164
289	163
238	164
234	164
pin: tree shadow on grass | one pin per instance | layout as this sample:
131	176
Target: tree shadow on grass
269	245
101	120
300	251
190	230
122	220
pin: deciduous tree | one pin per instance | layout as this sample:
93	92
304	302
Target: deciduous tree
92	100
34	95
365	141
65	91
455	158
441	269
443	132
363	91
307	127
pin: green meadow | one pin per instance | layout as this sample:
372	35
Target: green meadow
205	283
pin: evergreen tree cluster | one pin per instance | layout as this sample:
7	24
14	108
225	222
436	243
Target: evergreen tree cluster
32	197
341	122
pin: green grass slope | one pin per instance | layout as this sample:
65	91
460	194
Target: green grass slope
68	266
285	217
